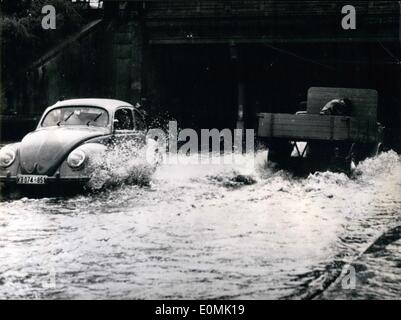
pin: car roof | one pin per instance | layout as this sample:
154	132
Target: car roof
108	104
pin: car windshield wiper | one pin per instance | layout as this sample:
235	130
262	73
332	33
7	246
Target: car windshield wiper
95	119
66	119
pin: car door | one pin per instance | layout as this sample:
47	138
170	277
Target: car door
124	127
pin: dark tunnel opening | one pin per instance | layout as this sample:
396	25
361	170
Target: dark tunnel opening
198	85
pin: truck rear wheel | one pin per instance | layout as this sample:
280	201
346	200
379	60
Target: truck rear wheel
279	152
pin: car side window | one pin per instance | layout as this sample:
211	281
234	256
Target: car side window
139	121
124	119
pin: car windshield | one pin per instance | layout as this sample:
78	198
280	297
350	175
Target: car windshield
76	115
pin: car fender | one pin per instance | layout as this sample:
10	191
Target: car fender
13	168
94	152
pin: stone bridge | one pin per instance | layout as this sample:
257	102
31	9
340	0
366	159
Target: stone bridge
217	63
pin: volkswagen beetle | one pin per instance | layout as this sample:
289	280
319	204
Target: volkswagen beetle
69	133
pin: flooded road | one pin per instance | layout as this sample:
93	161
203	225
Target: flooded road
212	231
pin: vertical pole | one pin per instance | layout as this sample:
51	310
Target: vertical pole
240	85
136	30
241	99
240	92
241	105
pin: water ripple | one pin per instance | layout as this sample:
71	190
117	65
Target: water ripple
225	231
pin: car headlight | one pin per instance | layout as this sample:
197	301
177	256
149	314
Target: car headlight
7	157
76	159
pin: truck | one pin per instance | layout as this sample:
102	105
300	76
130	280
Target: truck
312	141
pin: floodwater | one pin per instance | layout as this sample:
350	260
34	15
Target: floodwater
239	231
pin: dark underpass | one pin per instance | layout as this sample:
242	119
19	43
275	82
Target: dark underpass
202	86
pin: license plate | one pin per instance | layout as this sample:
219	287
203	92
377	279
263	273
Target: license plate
29	179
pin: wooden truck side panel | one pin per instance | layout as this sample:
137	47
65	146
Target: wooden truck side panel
316	127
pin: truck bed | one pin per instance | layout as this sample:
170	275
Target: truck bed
305	127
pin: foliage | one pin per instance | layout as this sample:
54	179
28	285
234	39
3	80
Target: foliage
22	37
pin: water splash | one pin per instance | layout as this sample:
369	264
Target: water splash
385	163
125	163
